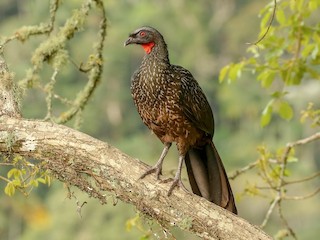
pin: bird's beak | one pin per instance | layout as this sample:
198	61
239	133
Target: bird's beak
130	40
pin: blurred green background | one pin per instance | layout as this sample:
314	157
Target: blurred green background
202	36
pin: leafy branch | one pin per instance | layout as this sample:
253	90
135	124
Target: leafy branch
24	176
274	172
287	53
269	25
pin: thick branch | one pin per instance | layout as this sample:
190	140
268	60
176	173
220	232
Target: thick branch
8	91
98	169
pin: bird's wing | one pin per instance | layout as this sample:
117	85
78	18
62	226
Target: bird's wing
194	102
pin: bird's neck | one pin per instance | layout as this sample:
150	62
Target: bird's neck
159	53
153	68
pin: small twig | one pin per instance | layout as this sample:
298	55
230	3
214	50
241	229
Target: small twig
305	140
95	73
167	233
270	210
284	220
36	30
84	69
57	96
266	176
90	173
271	160
266	188
269	25
6	164
242	170
317	174
4	179
115	201
63	100
53	10
290	146
302	197
297	143
79	206
279	190
281	183
49	90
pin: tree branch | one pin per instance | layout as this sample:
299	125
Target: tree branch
98	169
8	91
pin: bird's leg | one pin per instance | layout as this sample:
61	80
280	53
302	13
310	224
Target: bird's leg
177	178
158	167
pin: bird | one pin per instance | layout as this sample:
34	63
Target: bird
173	106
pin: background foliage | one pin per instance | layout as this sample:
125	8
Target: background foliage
274	102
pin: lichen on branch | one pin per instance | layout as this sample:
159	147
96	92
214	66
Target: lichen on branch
54	51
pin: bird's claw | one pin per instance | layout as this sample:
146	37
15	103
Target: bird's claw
156	170
175	183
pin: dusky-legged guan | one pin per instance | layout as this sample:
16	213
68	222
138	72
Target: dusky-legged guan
172	104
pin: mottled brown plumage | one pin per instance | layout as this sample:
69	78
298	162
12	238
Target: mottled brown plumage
172	104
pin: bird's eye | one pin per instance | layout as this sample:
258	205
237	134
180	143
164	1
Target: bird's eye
142	34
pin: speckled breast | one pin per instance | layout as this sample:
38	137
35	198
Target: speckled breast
157	100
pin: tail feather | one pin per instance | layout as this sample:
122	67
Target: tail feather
208	177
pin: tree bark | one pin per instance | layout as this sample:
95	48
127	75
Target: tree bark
98	169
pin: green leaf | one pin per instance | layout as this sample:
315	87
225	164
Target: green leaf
315	52
266	77
251	60
313	5
132	222
275	172
41	180
307	50
48	179
264	21
255	51
235	71
223	73
280	16
11	172
282	234
285	110
292	159
313	73
34	183
252	190
292	5
17	159
9	189
16	173
278	94
16	183
287	173
299	4
145	237
284	73
266	114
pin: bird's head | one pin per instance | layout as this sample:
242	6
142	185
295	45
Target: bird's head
147	37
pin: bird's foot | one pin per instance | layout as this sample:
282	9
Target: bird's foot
154	169
176	182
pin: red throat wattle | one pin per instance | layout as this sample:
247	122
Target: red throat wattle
148	47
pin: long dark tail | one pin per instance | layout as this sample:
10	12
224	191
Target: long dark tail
208	177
